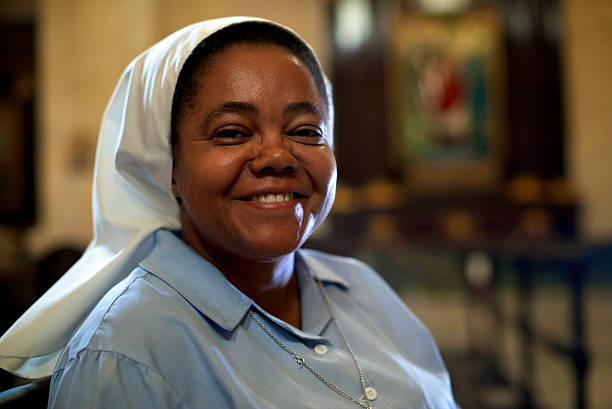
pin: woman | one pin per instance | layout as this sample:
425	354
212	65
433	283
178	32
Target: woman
214	165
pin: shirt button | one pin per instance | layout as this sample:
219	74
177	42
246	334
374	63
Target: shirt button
320	349
371	393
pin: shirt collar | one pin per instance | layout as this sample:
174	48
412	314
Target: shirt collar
206	288
318	269
198	281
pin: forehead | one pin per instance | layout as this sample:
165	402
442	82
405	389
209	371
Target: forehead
251	56
256	71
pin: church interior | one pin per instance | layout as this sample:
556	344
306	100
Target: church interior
473	140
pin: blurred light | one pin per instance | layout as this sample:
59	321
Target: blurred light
526	189
459	225
536	224
443	6
382	230
478	270
354	23
381	194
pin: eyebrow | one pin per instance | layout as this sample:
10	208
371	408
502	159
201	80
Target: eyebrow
303	107
231	107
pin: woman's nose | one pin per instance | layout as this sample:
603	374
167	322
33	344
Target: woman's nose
274	155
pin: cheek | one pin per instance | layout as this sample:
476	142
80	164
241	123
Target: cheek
326	168
331	192
190	174
203	171
324	174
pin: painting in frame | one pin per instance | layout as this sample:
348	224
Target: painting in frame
446	91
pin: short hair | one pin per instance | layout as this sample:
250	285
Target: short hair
252	32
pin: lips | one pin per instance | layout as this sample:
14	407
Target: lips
273	195
273	198
267	197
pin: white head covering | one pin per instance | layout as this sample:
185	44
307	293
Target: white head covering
132	198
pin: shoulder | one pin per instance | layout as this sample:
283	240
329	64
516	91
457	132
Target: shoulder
106	379
370	293
142	336
138	311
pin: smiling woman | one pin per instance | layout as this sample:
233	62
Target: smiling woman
214	166
253	169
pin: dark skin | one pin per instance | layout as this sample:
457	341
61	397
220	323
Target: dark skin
255	171
273	287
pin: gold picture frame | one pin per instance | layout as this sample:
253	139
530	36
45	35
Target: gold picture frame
445	93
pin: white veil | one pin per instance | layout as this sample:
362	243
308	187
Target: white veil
132	198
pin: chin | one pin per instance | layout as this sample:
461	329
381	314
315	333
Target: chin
272	242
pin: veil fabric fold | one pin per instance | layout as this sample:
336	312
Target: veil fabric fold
132	198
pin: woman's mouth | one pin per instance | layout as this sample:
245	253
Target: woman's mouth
276	197
273	198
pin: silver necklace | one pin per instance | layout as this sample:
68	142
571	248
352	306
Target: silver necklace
368	393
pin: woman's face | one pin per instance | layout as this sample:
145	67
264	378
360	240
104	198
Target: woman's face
254	168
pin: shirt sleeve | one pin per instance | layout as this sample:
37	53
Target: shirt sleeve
108	380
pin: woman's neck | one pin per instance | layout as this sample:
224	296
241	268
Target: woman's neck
273	285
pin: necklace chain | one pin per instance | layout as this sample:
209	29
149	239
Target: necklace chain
346	343
302	362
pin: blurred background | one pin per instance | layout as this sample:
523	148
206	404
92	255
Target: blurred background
474	143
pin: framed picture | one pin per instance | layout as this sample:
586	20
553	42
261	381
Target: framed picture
445	92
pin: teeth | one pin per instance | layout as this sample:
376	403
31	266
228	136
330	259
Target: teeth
274	198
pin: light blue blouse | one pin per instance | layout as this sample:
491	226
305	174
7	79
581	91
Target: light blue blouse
176	334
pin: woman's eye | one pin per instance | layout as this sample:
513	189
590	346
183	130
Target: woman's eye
309	136
230	137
